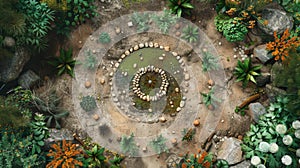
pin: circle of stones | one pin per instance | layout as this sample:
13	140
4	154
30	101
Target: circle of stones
162	89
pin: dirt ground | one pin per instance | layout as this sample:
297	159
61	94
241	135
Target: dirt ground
233	124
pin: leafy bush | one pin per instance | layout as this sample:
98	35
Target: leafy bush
274	138
190	34
64	155
159	144
140	21
48	105
88	103
95	157
180	6
209	99
128	145
164	20
280	47
196	160
39	133
37	18
104	38
232	28
245	72
90	61
209	62
64	63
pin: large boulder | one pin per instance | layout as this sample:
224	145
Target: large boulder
263	79
262	54
256	110
28	79
231	151
273	92
11	68
244	164
278	21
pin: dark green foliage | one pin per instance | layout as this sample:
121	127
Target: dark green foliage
39	133
15	147
38	17
64	63
159	144
88	103
232	28
245	72
140	21
241	111
290	78
209	62
11	115
104	38
179	7
116	161
165	20
90	61
221	163
78	11
128	145
49	106
190	34
188	134
95	157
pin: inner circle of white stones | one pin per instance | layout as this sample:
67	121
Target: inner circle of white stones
162	89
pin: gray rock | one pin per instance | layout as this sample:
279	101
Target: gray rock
9	42
278	21
10	69
264	79
244	164
173	160
262	54
59	135
256	110
230	150
273	92
28	79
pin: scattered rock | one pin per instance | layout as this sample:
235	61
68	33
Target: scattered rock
278	20
130	24
263	79
177	90
127	52
231	151
240	137
102	81
174	141
178	34
141	45
186	76
182	104
118	30
196	123
136	47
177	26
28	79
96	117
167	48
210	82
9	42
262	54
173	160
162	119
144	149
11	68
134	65
161	58
178	109
87	84
156	45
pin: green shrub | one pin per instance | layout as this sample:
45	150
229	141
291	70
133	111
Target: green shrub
88	103
245	72
190	34
39	133
209	62
104	38
128	145
164	20
95	157
179	7
159	144
232	28
140	21
64	63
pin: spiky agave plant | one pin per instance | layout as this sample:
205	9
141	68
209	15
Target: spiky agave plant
180	6
190	34
245	72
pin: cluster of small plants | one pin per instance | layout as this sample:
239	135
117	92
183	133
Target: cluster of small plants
209	62
274	140
165	20
104	38
180	7
141	21
209	99
88	103
159	144
90	61
190	34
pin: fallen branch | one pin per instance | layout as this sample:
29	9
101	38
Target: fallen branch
249	100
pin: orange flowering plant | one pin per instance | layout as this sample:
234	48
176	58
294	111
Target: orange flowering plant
281	46
200	160
65	156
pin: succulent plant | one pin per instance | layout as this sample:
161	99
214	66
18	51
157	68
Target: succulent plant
88	103
104	38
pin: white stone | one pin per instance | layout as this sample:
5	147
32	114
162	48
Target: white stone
131	49
141	45
161	58
182	104
130	24
177	90
174	54
151	44
162	119
111	74
123	56
118	30
136	47
127	52
178	109
146	44
161	47
180	61
134	65
178	57
156	45
141	58
117	65
150	110
186	76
